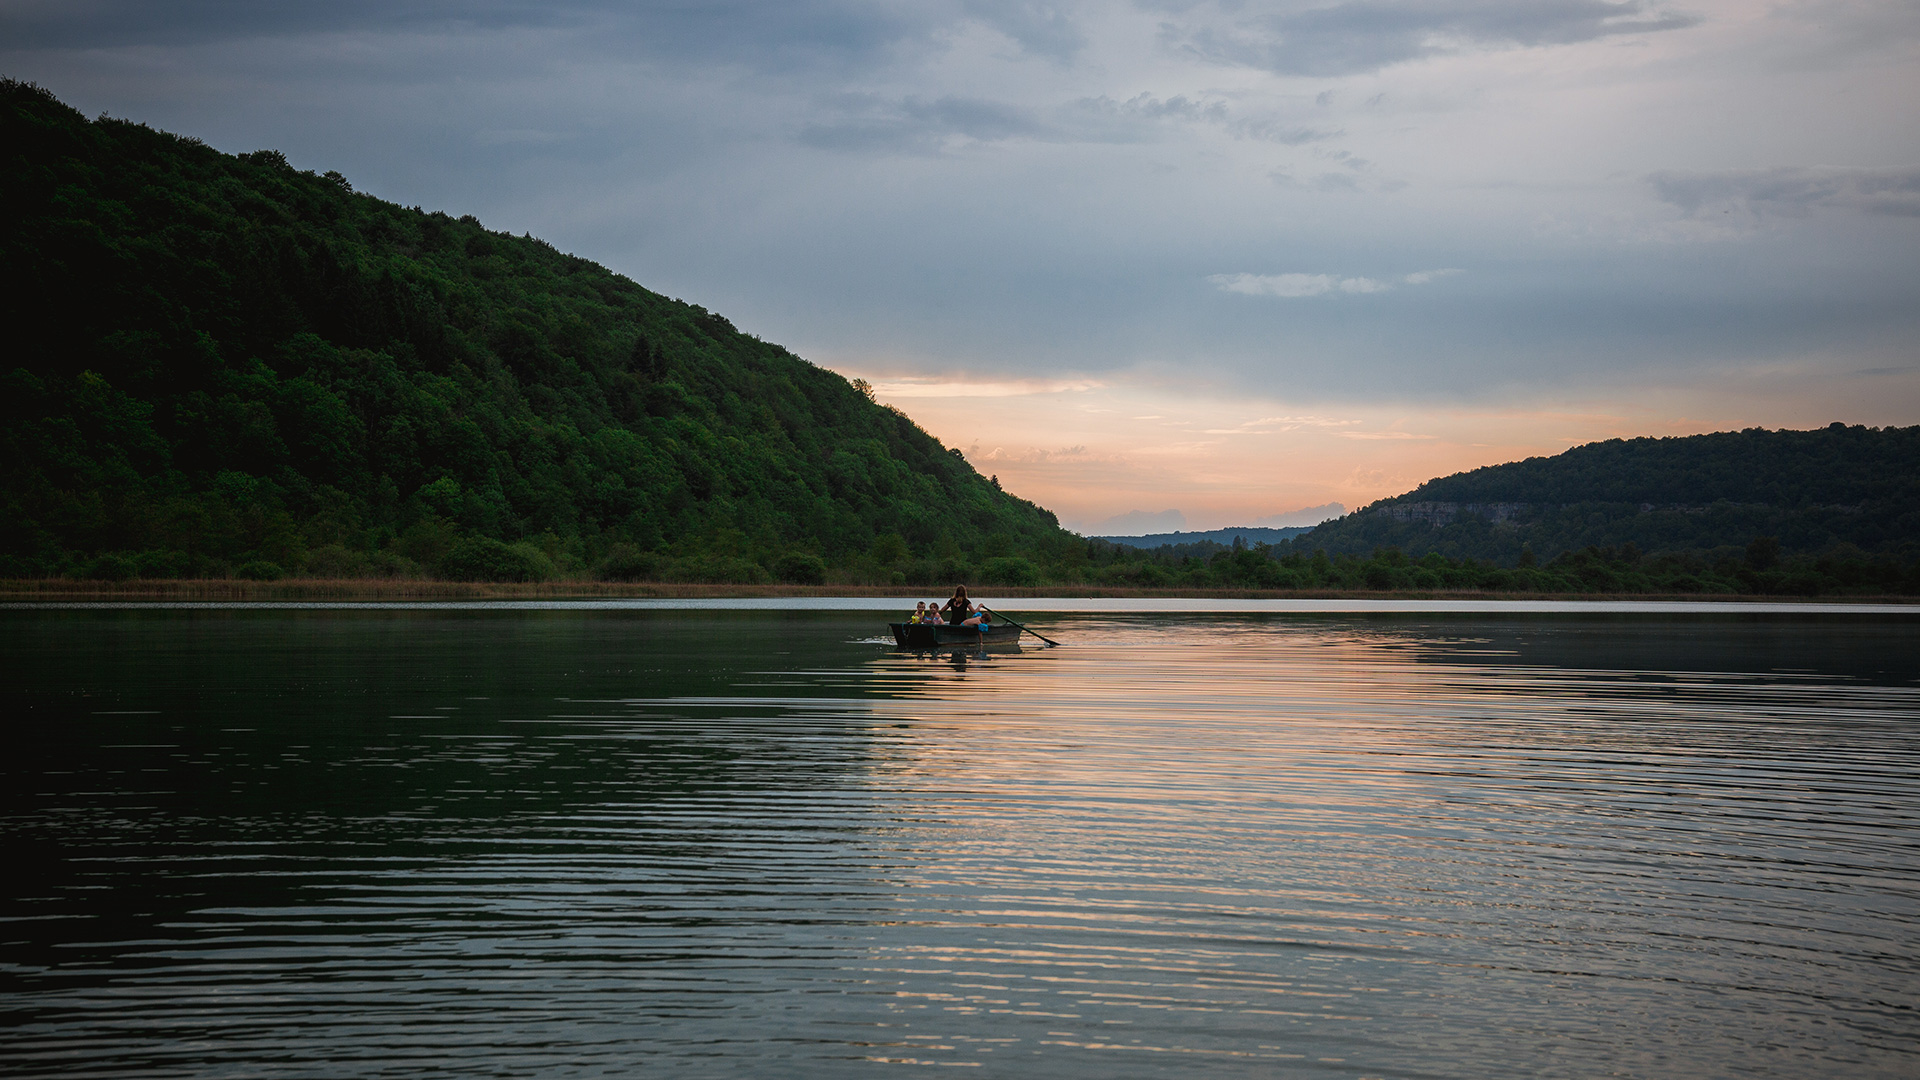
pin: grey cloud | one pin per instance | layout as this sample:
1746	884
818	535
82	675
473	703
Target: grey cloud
1328	182
1365	35
1791	191
1273	129
59	24
1145	108
1348	181
1179	106
919	125
760	33
1041	28
1148	107
1137	119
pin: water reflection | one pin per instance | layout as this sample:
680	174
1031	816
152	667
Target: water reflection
553	843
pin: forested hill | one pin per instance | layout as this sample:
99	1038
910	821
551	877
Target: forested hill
1809	491
221	364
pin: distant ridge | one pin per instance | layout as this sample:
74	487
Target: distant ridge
1251	535
1808	491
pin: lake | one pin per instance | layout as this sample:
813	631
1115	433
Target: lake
567	840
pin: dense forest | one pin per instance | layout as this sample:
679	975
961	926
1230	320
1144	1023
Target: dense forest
226	366
1834	509
1811	491
1757	568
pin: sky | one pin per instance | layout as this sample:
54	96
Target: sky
1149	262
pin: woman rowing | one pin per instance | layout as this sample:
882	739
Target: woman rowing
958	609
963	612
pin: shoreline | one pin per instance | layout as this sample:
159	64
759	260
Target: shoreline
324	589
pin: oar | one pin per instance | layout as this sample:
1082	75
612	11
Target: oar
1022	626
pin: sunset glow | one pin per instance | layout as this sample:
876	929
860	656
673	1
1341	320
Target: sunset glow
1094	450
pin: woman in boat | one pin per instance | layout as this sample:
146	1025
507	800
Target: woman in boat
958	608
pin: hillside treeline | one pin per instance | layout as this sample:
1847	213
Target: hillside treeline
1758	568
222	365
1829	489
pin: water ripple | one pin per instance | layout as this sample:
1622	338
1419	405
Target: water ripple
279	844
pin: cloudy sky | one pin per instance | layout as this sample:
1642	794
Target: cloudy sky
1227	259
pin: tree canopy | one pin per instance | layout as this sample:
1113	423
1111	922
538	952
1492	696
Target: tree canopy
1809	491
225	365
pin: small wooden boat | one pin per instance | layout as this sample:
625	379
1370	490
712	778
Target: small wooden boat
941	635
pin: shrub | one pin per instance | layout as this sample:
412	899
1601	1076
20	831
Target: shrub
428	541
111	568
337	561
797	568
1800	582
921	572
624	562
720	570
389	565
541	567
163	564
1140	575
482	558
260	570
1009	570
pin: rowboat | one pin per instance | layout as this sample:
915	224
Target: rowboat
940	635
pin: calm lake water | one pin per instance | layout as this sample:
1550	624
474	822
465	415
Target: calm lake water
585	842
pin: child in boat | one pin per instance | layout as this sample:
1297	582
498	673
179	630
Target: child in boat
933	612
919	614
979	619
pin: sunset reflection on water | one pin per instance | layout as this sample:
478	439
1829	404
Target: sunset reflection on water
571	843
